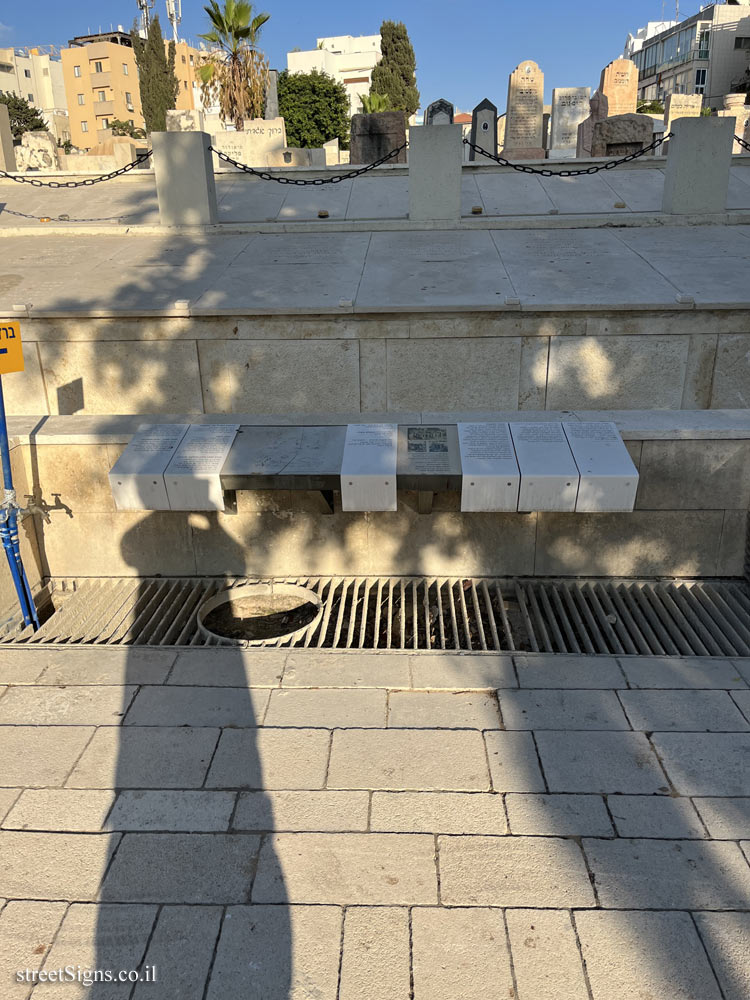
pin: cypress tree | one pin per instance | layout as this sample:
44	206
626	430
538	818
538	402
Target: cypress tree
157	81
395	75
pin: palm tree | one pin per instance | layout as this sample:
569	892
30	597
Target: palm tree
235	71
373	103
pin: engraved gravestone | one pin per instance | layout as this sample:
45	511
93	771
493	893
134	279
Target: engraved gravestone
570	107
439	113
619	84
598	107
681	106
375	135
524	115
622	135
484	129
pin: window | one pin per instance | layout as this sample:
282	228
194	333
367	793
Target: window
6	68
191	60
84	126
183	59
128	97
700	81
30	98
742	42
184	84
45	72
105	122
81	99
98	67
124	69
102	96
27	74
76	71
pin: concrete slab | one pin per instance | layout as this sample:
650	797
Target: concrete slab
725	818
513	762
172	811
558	815
302	812
438	812
725	937
540	670
375	950
305	202
181	950
513	193
655	816
586	195
40	756
370	199
270	758
561	710
546	960
681	672
600	762
706	763
442	710
683	711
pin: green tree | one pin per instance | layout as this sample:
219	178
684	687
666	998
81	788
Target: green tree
120	127
157	81
315	108
395	75
650	108
235	72
373	103
23	117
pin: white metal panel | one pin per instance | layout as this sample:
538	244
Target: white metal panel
137	477
549	474
490	479
609	479
368	469
192	477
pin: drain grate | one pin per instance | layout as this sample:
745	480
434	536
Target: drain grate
707	618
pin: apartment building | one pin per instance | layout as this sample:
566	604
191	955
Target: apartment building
347	59
37	77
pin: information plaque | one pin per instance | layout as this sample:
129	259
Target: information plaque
192	477
368	469
137	477
609	479
549	474
490	479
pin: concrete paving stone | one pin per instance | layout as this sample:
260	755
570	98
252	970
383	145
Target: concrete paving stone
27	930
558	815
66	706
97	665
561	710
512	871
742	664
182	868
7	797
725	819
229	668
376	951
546	960
659	816
681	672
460	953
197	706
22	666
374	869
442	710
406	759
270	758
684	711
39	756
327	708
54	865
669	874
108	937
745	848
181	951
742	700
544	670
150	757
514	765
706	763
172	811
634	955
302	812
725	936
321	669
277	953
600	762
438	812
462	672
64	809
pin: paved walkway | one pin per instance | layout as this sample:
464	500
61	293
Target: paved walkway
375	826
499	192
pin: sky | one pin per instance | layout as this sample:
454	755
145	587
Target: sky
465	49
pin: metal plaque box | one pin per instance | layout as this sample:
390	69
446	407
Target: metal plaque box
491	479
609	479
192	477
368	469
549	474
137	477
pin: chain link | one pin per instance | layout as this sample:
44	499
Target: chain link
741	141
65	218
546	172
88	182
318	181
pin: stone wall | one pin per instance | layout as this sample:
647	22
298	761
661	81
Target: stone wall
679	359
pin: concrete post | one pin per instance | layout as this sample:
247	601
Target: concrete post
435	158
7	152
185	183
696	180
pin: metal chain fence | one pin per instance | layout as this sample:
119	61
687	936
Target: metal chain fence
88	182
741	141
316	182
546	172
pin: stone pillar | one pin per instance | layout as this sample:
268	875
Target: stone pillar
185	183
435	157
271	107
7	152
696	180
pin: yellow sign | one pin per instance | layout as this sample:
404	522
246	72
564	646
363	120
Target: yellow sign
11	350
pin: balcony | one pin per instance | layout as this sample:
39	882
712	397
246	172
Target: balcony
100	81
106	108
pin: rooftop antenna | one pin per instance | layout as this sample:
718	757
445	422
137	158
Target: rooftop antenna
145	7
174	13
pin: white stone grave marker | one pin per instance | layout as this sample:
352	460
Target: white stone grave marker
137	477
490	476
549	474
609	480
368	469
192	477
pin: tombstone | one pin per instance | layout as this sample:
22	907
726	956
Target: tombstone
598	106
332	152
253	144
38	151
735	107
484	129
271	106
374	135
696	180
7	153
439	113
622	135
619	84
523	122
187	120
570	107
681	106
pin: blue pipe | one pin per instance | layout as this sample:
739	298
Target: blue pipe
9	530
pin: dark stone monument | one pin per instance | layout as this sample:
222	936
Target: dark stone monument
271	109
377	134
484	128
439	113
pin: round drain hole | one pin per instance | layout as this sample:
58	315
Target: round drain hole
252	614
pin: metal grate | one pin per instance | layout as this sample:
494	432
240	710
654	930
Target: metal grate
708	618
